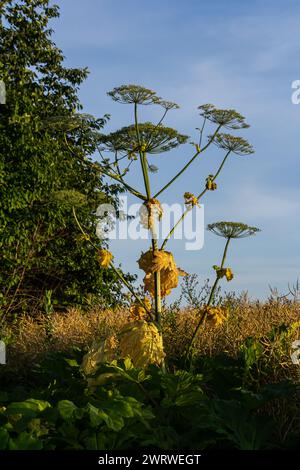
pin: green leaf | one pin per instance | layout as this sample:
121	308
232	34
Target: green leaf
28	408
25	441
4	438
67	409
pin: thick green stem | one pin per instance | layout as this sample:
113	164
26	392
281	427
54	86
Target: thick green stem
213	289
144	166
157	285
210	299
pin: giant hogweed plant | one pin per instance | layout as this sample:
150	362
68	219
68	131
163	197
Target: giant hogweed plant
130	149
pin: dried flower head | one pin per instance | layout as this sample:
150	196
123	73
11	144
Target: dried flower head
190	200
104	257
142	343
232	229
223	272
153	139
228	118
231	143
216	315
210	184
134	94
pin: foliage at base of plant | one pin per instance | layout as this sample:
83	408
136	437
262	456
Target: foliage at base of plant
208	407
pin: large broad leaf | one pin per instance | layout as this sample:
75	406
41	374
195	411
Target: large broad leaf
67	409
182	389
25	441
245	430
4	438
27	408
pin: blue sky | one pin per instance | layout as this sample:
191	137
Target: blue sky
242	55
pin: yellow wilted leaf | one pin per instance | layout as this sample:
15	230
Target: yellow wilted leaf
105	258
100	352
137	311
228	274
163	262
216	315
142	343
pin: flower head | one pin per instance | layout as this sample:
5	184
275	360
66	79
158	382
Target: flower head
216	315
104	257
228	118
210	184
221	272
136	94
167	105
190	200
153	139
133	94
232	229
234	144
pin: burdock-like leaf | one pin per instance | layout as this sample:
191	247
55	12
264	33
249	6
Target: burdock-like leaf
229	142
232	229
228	118
153	139
133	94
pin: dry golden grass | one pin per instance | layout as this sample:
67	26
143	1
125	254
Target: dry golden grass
245	319
31	338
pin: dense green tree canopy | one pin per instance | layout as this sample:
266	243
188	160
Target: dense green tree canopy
46	167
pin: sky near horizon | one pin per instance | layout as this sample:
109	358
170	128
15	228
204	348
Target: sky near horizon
241	55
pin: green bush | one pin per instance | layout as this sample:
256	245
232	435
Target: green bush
210	407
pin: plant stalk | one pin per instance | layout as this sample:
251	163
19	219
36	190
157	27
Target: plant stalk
144	166
210	299
198	198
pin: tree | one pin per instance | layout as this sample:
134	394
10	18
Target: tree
46	168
